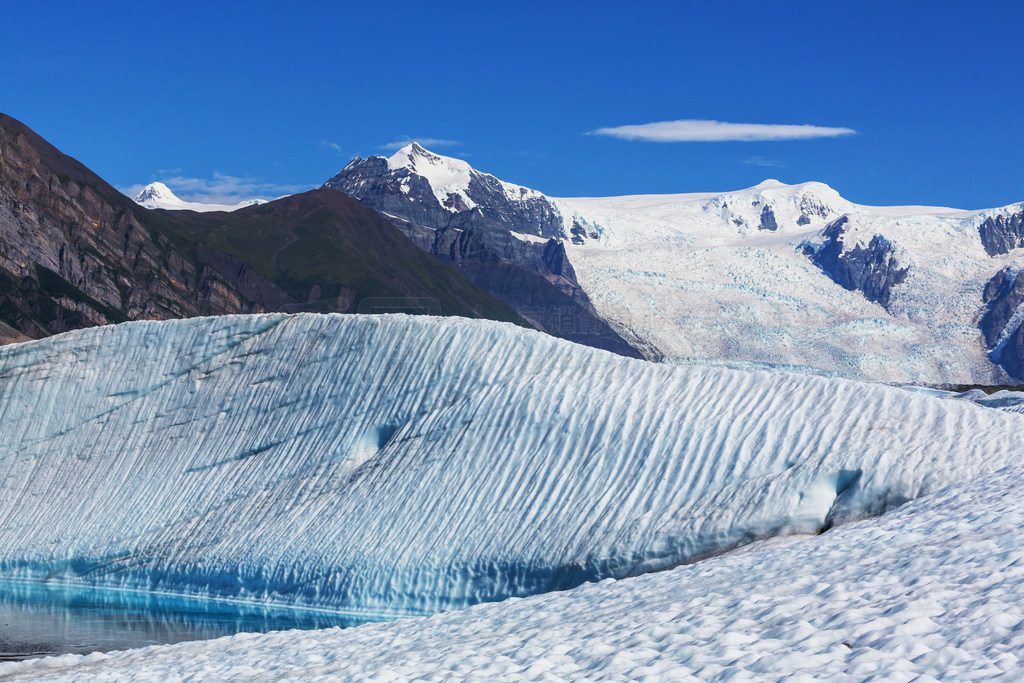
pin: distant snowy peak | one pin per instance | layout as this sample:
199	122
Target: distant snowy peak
159	196
772	205
448	176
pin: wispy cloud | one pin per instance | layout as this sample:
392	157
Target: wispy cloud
426	142
694	130
221	188
764	161
333	146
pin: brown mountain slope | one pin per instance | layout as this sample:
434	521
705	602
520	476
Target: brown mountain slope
75	252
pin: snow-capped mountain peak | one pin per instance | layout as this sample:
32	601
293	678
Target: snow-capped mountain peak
446	176
157	196
773	205
415	157
431	182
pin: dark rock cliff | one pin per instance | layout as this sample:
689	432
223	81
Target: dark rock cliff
533	276
75	254
1003	298
1002	234
872	270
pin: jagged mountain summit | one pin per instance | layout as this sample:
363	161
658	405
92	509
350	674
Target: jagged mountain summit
772	275
439	183
75	252
159	196
476	222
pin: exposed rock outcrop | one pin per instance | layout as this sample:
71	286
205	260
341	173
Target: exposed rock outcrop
473	224
873	270
1001	321
768	221
1002	234
76	254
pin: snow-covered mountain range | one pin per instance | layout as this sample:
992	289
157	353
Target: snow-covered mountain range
774	275
159	196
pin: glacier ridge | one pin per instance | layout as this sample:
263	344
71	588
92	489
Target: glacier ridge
397	465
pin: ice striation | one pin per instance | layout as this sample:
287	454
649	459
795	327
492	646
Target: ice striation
399	465
931	591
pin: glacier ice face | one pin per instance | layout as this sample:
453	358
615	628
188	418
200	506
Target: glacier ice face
930	591
405	465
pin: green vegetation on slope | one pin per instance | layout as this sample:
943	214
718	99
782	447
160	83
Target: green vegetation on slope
327	249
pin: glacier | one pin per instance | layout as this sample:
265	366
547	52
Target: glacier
930	591
396	465
700	277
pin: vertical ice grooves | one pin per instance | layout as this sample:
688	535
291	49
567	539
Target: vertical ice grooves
407	465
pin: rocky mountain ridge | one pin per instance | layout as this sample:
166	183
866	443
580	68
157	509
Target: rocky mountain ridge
77	253
507	239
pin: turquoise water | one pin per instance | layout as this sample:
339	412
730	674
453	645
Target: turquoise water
40	619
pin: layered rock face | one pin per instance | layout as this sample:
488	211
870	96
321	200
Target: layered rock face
507	239
75	253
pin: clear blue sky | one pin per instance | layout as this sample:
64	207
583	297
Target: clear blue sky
283	95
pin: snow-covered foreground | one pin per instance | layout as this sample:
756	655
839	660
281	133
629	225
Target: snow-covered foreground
400	465
933	590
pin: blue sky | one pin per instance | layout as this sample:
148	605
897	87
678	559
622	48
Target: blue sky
267	98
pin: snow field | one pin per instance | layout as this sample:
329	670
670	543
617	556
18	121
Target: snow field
693	276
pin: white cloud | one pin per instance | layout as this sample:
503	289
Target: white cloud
327	144
221	189
693	130
425	142
763	161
